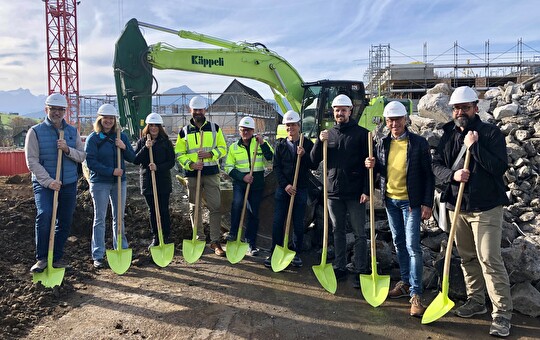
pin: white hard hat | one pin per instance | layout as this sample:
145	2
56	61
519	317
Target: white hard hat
463	94
342	100
197	102
291	117
247	122
154	118
107	110
394	109
56	99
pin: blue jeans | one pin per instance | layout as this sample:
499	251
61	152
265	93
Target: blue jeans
405	226
102	193
67	199
337	210
252	213
281	208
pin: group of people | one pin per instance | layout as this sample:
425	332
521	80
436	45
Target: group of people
402	160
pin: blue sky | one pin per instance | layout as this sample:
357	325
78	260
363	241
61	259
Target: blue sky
321	39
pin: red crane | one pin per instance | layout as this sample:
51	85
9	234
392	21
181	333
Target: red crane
62	53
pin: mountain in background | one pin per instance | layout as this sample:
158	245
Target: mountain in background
23	102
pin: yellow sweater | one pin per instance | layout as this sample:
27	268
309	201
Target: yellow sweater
396	170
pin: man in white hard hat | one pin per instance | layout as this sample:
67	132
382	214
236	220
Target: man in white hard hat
238	166
479	225
285	155
41	151
348	189
193	157
403	161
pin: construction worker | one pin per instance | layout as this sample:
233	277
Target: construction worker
479	224
41	152
403	161
285	156
347	185
193	157
101	159
163	162
238	166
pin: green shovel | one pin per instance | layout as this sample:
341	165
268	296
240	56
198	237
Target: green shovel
324	272
162	254
374	287
236	250
51	277
442	304
193	249
282	256
119	259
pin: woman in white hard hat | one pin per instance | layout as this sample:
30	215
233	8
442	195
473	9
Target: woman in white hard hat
101	158
163	156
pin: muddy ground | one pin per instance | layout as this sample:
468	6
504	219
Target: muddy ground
210	299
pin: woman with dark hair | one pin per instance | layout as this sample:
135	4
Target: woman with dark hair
163	154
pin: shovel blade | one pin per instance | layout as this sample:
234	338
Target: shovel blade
326	276
375	288
438	308
192	250
281	258
50	277
162	254
119	260
236	250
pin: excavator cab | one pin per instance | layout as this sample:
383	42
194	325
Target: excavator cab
317	113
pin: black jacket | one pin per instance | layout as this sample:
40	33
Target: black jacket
420	180
285	164
163	153
347	150
485	189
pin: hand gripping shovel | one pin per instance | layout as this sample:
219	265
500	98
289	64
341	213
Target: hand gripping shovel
51	277
282	256
193	249
119	259
374	287
236	250
442	304
162	254
324	272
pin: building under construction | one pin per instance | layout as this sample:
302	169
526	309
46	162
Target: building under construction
456	67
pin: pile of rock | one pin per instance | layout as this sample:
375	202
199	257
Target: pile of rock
515	109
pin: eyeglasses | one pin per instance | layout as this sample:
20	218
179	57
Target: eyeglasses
464	108
57	109
246	130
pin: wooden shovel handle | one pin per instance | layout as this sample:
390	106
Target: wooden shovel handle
119	190
55	195
246	195
325	200
198	191
295	182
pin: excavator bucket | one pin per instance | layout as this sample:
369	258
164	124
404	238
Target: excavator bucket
133	78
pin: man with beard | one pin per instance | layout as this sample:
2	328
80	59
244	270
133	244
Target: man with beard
479	225
194	157
347	185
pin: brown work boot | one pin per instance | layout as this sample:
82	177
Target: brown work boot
217	249
416	306
401	289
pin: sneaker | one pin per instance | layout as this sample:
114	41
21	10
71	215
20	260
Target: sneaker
297	262
61	264
416	306
155	242
216	247
39	266
470	308
231	237
350	268
500	327
340	273
401	289
268	262
98	264
253	251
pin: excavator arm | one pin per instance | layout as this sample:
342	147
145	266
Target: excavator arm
134	61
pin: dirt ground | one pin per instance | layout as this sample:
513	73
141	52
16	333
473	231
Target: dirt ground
210	299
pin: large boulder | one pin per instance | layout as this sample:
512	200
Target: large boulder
521	259
435	106
526	299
